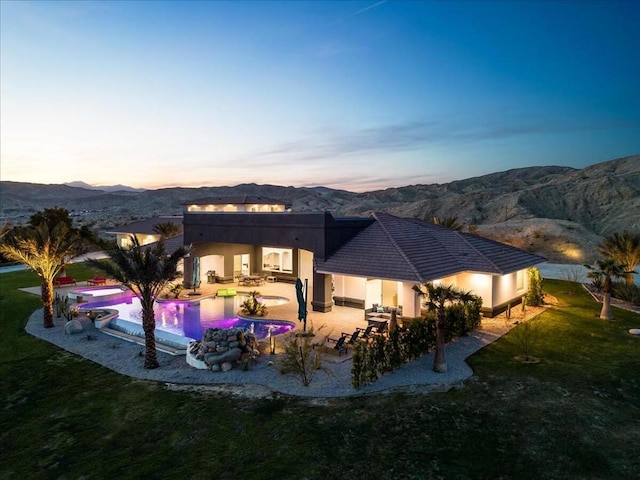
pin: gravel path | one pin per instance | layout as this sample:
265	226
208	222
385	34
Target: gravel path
264	379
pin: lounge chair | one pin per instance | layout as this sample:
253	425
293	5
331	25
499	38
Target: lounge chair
366	333
97	280
353	339
339	343
61	281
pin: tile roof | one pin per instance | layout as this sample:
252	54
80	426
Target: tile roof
171	244
412	250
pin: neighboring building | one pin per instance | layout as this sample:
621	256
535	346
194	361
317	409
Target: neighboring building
352	261
142	230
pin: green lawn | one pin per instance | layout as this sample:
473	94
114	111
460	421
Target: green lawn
576	414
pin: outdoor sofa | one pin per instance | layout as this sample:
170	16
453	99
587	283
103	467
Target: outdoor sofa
62	281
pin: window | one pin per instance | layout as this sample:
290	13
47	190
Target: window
125	241
277	259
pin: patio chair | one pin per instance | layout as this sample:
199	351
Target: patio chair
365	333
382	328
353	338
339	346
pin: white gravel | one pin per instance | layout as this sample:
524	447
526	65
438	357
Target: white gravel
264	379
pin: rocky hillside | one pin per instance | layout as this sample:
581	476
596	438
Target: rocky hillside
559	212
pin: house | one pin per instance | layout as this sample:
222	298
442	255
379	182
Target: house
349	261
143	230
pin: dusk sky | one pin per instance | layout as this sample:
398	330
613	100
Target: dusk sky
352	95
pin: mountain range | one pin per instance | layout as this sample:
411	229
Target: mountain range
559	212
104	188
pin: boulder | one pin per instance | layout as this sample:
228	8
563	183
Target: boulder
73	326
219	349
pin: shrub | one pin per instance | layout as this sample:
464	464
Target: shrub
300	358
597	282
357	366
419	337
253	305
462	318
627	292
394	353
385	354
572	274
176	289
535	294
526	336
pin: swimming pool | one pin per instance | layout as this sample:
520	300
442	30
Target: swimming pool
191	318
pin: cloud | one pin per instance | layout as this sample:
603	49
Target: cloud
369	183
412	135
357	12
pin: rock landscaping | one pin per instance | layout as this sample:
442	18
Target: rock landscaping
73	326
221	349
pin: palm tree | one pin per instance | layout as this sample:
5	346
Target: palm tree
146	271
4	229
54	217
437	299
605	270
624	247
167	229
44	248
449	222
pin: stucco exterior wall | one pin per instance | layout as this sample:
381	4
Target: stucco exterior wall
319	233
509	288
479	284
409	299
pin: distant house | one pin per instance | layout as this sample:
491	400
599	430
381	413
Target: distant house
143	230
349	261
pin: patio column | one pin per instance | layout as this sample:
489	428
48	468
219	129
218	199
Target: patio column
187	269
322	293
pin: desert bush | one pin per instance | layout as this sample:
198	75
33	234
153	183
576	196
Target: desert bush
299	357
526	337
572	274
627	292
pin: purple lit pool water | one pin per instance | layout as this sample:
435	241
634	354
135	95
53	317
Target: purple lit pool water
190	319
